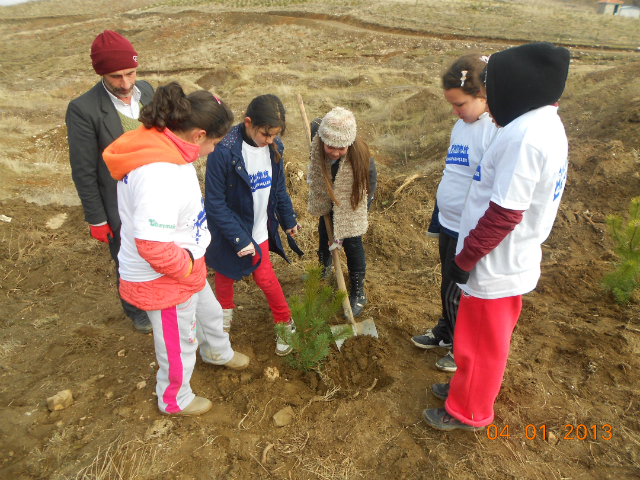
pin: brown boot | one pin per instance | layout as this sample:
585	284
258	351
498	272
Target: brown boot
198	406
239	361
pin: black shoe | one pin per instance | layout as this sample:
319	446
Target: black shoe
447	363
440	390
357	297
143	325
439	419
429	340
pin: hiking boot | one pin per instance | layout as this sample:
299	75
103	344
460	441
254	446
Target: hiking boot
239	361
143	324
357	297
198	406
429	341
282	347
439	419
440	390
327	262
227	318
447	363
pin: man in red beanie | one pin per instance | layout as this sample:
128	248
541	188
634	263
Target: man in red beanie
94	120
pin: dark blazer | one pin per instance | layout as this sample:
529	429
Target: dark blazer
92	124
228	202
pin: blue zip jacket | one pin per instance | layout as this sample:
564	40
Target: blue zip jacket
228	202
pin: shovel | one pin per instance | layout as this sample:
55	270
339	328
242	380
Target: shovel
366	327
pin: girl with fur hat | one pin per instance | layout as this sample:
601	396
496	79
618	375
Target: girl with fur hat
510	209
164	236
246	201
342	179
463	85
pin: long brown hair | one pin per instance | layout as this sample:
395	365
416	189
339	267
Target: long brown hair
359	156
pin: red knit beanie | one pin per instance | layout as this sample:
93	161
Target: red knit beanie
111	52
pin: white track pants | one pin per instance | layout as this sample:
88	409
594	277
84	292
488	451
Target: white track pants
177	332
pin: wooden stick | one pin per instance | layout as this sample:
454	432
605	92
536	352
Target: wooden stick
335	253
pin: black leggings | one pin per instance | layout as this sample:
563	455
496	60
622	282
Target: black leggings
449	290
353	248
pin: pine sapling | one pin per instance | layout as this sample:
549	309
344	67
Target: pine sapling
625	278
312	337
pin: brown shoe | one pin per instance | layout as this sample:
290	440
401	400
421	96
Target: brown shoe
198	406
239	361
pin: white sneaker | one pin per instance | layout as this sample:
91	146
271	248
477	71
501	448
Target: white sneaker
282	348
227	317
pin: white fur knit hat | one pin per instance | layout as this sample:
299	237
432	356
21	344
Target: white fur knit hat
338	128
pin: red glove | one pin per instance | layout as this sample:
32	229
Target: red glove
100	232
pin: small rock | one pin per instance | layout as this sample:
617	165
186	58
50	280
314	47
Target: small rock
56	222
245	377
141	385
108	395
4	218
60	400
592	367
121	338
625	367
283	417
59	424
152	364
122	353
552	438
119	380
159	428
271	374
239	308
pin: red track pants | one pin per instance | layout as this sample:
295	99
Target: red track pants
266	279
482	338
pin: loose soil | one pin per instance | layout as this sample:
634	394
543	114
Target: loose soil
573	368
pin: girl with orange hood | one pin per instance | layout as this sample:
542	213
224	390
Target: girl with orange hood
164	237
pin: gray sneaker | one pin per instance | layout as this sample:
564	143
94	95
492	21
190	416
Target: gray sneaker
429	341
282	347
440	390
447	363
439	419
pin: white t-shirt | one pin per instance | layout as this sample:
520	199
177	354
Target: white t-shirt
524	168
257	161
467	145
160	202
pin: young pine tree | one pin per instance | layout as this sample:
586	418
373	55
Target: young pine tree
625	278
312	337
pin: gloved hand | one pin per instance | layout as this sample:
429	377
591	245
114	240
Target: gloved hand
456	274
102	233
337	243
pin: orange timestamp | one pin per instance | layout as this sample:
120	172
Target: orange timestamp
577	432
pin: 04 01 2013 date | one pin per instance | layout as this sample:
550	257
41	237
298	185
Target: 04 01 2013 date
572	432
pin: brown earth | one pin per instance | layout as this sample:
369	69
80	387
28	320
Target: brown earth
574	357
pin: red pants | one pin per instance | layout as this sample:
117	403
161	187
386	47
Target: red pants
266	279
482	338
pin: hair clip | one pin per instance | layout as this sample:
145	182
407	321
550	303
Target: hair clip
463	78
485	58
217	99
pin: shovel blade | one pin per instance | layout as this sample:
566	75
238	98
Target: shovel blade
366	327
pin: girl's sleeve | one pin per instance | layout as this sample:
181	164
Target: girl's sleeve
287	216
215	201
165	258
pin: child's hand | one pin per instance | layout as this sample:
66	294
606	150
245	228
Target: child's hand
248	250
294	230
337	243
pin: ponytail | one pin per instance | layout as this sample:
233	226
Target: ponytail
171	108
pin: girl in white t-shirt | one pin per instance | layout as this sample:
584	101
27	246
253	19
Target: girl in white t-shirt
510	209
164	236
471	135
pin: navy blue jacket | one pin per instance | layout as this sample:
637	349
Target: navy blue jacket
228	202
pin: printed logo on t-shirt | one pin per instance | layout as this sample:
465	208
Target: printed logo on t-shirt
199	224
126	179
562	180
478	175
260	180
458	155
153	223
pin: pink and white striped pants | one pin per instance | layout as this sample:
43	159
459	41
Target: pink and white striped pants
177	333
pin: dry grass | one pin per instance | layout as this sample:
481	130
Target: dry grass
7	347
13	124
